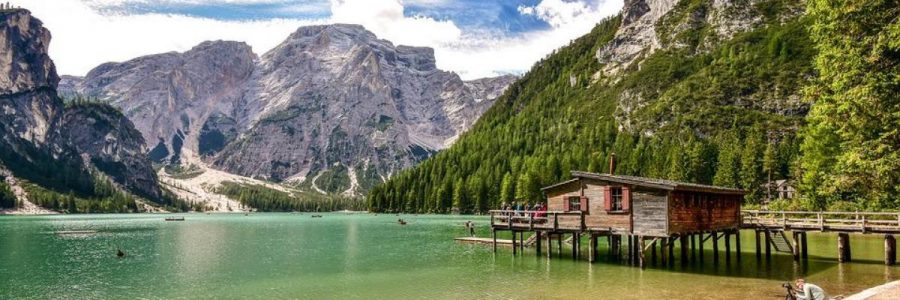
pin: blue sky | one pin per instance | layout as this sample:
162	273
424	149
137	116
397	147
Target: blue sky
475	38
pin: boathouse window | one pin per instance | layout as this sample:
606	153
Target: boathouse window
617	199
574	203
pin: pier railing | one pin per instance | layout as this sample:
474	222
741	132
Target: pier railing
864	222
530	220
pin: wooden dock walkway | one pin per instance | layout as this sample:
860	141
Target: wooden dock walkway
486	241
783	231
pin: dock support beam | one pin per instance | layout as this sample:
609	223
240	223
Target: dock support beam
700	240
662	251
515	247
537	243
671	245
575	237
890	250
803	250
684	249
640	249
727	246
737	244
494	236
592	248
796	249
693	247
844	254
653	251
758	245
715	243
768	244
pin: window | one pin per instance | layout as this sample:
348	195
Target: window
616	199
574	203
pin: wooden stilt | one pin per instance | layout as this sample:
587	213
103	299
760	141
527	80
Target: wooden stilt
537	243
890	250
795	250
715	243
515	246
684	249
575	238
758	245
671	251
640	248
653	252
727	246
549	244
768	242
693	247
663	244
804	253
494	236
844	254
559	240
592	248
630	253
700	238
737	244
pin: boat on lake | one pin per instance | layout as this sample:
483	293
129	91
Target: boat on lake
174	218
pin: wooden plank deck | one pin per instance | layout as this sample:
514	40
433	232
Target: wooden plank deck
859	222
478	240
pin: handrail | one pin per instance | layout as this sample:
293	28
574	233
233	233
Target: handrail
793	212
823	220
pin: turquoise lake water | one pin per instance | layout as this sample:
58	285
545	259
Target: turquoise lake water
366	256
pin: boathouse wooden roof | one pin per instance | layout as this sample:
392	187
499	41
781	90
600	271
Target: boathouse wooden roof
655	183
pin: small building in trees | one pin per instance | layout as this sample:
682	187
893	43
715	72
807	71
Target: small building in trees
780	189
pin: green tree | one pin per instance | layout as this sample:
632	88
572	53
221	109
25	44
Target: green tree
851	147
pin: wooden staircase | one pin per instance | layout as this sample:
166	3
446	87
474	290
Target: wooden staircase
530	240
780	241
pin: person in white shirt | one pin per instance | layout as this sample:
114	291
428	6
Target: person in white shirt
810	291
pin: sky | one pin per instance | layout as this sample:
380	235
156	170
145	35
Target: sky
474	38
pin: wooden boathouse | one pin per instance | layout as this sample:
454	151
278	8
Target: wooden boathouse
642	212
637	215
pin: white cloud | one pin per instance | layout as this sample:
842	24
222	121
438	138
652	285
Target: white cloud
85	35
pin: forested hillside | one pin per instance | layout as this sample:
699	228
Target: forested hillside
701	108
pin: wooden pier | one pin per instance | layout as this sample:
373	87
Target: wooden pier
779	231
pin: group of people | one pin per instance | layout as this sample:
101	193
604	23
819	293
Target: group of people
521	208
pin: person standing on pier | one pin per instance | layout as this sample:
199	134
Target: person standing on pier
810	291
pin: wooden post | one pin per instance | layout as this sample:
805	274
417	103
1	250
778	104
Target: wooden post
537	243
737	243
727	246
803	250
693	247
663	243
671	251
575	238
758	245
640	249
768	236
715	244
890	250
630	253
796	249
592	248
494	236
515	247
522	241
700	238
549	244
559	238
653	251
684	249
844	254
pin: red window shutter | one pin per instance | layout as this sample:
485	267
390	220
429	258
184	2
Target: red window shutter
607	199
584	203
565	203
626	198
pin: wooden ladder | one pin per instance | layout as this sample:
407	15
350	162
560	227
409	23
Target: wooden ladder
531	240
780	242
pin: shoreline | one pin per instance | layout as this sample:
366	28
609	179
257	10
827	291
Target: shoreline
890	290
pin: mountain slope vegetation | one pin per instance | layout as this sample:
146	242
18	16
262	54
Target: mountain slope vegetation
701	108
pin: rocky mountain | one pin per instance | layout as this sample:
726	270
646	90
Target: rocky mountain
706	91
332	108
49	149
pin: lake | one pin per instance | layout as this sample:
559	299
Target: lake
366	256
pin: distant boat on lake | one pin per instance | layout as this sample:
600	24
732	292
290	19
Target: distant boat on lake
174	218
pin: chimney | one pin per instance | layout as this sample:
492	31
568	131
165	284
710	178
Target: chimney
612	163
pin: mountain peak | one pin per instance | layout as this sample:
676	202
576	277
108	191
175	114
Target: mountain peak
27	66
